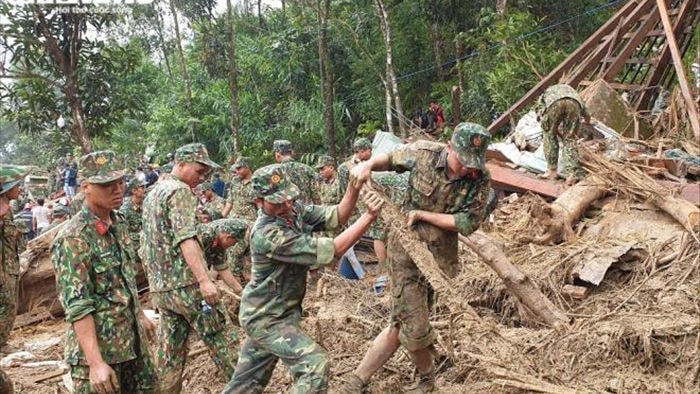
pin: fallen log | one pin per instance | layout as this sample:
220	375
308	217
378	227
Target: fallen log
518	283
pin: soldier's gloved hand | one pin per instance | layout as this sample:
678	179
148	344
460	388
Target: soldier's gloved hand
210	292
359	175
373	202
103	379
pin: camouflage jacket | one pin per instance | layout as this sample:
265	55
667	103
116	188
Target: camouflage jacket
10	241
242	198
169	218
216	257
96	275
132	215
430	189
555	93
281	253
214	207
76	203
304	177
344	172
330	193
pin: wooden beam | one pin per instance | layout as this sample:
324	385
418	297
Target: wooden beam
644	99
616	86
592	61
680	72
632	44
564	66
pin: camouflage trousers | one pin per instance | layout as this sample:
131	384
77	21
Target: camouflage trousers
5	383
8	306
238	261
180	312
286	341
412	295
134	376
561	121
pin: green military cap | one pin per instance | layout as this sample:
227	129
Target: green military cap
99	167
361	144
235	227
194	153
11	175
470	141
134	184
282	146
325	161
241	162
271	184
59	210
204	186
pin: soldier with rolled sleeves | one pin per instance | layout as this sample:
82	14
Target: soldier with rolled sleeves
304	176
94	260
447	195
240	201
177	270
283	249
11	239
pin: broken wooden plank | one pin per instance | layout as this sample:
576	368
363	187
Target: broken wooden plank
515	181
576	292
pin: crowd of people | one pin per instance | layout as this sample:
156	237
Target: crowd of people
262	235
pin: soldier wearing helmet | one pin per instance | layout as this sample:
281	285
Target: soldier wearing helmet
447	195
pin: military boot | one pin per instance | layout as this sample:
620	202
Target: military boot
424	384
352	384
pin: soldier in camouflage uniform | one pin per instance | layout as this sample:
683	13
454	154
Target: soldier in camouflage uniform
362	151
283	249
94	260
560	110
76	203
177	270
303	175
59	214
447	195
10	241
240	202
216	238
132	208
330	193
212	204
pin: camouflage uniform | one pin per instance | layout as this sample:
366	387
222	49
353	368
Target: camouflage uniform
132	214
429	189
58	215
560	109
11	241
96	275
238	257
304	176
76	203
282	250
169	219
328	189
242	199
394	186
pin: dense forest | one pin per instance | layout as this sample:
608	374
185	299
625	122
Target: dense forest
236	75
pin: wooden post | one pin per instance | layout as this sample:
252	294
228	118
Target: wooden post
456	110
680	72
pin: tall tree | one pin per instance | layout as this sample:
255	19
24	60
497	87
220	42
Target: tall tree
326	72
181	57
391	80
233	79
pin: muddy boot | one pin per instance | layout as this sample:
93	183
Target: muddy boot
424	384
352	384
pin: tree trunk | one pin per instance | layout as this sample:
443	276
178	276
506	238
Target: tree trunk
437	48
326	72
261	20
518	283
68	64
181	57
233	79
501	6
459	49
456	106
163	47
390	74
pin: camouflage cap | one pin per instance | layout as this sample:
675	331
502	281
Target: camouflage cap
241	162
282	146
204	186
271	184
361	144
235	227
59	210
325	161
11	175
134	184
99	167
470	141
195	152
